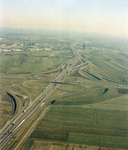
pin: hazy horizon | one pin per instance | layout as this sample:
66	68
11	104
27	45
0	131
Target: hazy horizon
95	16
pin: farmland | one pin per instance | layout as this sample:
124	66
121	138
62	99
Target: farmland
104	66
85	113
84	125
87	97
28	63
39	145
90	99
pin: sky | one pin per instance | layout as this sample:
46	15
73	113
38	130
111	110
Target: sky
95	16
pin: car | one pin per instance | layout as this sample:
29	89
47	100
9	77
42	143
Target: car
13	123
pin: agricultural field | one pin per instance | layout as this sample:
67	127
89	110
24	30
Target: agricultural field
84	126
26	73
39	145
109	66
97	116
45	145
90	98
29	63
92	126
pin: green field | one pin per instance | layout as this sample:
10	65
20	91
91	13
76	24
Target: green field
93	117
4	59
8	64
107	66
84	126
28	63
27	145
118	103
88	97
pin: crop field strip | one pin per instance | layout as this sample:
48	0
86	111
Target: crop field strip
28	63
8	64
13	63
45	145
118	57
108	56
111	70
119	103
84	126
90	71
20	64
3	59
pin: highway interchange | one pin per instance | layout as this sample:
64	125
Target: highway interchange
29	111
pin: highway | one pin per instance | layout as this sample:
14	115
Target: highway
9	130
41	100
25	115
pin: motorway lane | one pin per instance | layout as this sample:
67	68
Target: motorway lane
25	116
31	128
29	112
41	97
16	127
